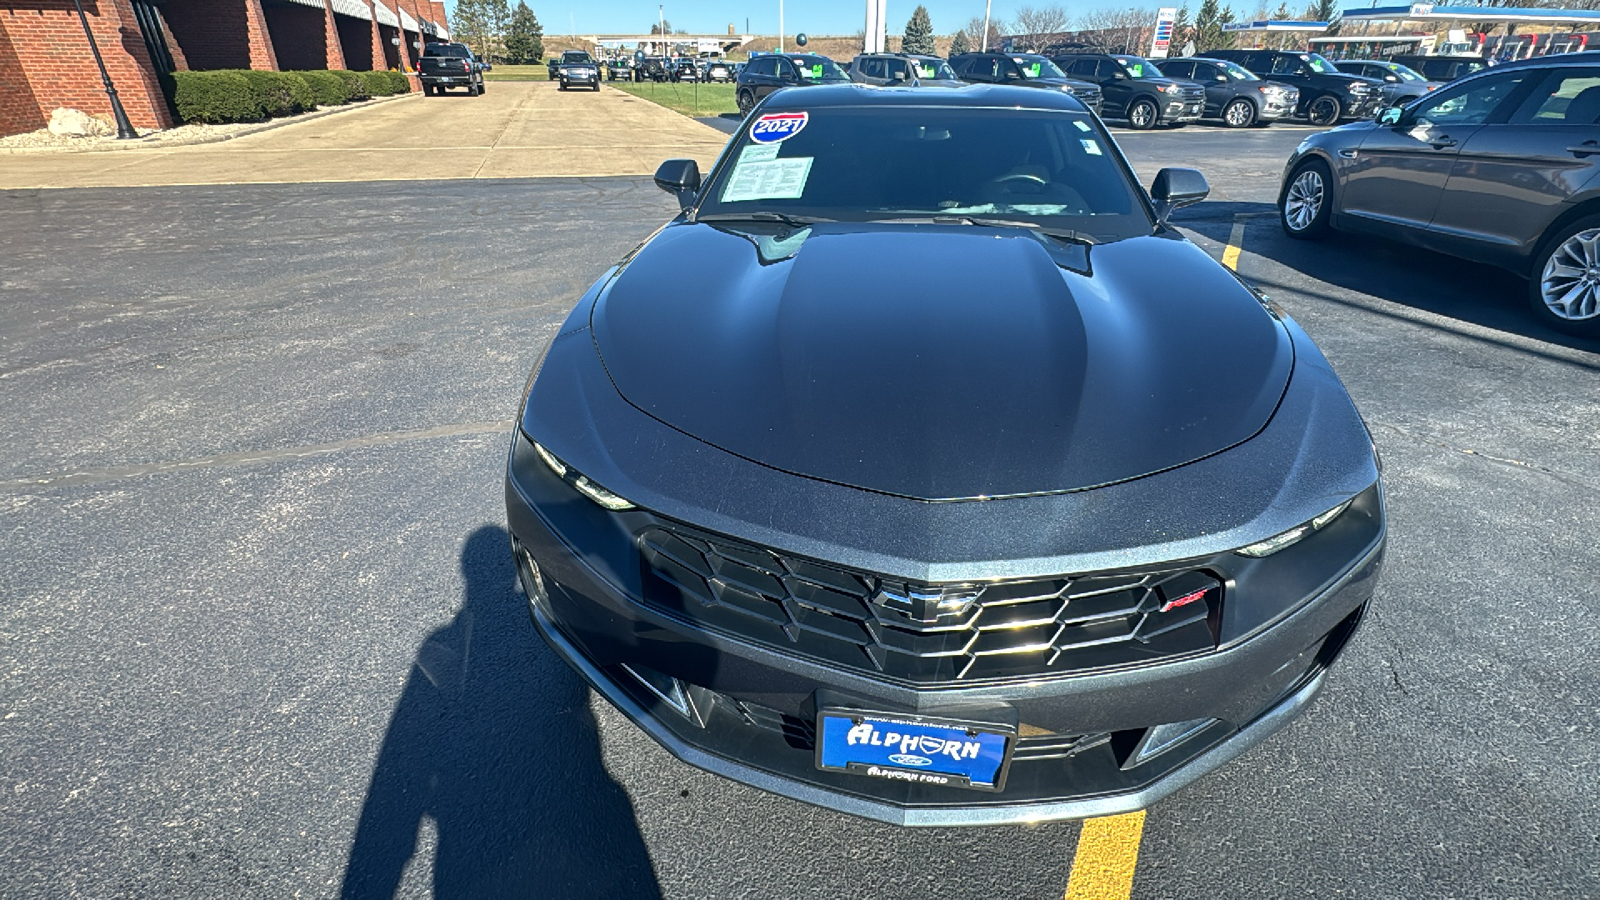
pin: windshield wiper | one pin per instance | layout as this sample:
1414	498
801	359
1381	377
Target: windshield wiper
763	216
1060	234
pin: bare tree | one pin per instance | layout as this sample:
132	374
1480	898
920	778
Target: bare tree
1035	26
1121	30
974	32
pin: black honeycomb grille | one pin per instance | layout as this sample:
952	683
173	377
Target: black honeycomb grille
981	631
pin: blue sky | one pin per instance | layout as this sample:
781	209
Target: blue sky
835	17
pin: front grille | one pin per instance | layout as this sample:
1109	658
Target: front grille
926	634
1192	94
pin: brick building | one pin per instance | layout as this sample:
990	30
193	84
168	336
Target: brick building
45	60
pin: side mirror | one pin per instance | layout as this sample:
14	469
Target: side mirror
1177	187
680	177
1390	115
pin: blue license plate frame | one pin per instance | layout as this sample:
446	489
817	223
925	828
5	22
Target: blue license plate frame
915	749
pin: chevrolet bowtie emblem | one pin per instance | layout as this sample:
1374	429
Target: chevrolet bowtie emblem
925	605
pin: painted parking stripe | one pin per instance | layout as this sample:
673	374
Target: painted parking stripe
1230	254
1108	852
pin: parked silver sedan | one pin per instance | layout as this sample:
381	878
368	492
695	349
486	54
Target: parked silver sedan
1501	167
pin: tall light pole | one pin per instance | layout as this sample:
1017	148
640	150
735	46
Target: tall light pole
780	26
125	128
661	16
986	5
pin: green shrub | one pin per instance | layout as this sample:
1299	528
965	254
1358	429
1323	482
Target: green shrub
326	87
305	99
355	87
402	84
216	97
378	83
280	93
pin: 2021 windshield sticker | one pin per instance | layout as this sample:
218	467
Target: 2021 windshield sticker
776	179
775	127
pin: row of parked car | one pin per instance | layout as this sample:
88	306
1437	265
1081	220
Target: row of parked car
1238	88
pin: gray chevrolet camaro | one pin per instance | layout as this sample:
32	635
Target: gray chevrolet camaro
919	470
1500	167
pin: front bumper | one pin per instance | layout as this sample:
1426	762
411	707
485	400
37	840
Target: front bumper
1273	110
1182	110
745	711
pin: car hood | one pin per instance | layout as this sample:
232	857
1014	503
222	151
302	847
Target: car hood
942	362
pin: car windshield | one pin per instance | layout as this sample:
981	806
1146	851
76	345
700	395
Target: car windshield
935	69
819	68
1236	71
1138	67
575	56
1038	67
1320	65
445	50
1404	73
1049	169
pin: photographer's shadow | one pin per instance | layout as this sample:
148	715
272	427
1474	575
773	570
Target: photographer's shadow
493	740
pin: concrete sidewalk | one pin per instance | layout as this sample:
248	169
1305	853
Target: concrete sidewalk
517	130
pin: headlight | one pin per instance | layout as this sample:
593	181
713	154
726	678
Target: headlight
1359	88
1068	89
1171	89
1294	535
580	483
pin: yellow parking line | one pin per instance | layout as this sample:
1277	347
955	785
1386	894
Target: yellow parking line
1108	852
1230	255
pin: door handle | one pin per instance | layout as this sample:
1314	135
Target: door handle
1442	142
1587	148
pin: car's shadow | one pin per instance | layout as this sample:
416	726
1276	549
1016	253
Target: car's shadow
1443	285
493	741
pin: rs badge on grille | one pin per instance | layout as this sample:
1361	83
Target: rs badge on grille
925	605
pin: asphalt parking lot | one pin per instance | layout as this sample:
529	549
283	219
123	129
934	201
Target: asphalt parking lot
261	637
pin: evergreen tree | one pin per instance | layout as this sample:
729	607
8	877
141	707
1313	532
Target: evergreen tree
498	15
1208	26
1181	30
919	33
524	36
1225	37
470	25
959	45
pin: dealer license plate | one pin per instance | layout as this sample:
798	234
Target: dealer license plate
914	750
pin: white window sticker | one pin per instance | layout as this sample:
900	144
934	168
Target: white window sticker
758	153
1082	126
776	179
1091	146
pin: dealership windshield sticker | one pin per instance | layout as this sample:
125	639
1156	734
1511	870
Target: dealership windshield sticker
1082	126
775	127
758	153
1090	146
775	179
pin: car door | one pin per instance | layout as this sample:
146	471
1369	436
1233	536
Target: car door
980	69
1398	174
1115	85
1512	177
1289	69
1219	87
898	71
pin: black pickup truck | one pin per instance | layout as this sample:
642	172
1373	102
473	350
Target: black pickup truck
446	66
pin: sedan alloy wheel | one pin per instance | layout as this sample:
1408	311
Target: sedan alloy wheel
1568	289
1304	208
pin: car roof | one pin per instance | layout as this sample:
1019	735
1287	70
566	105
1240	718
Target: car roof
827	96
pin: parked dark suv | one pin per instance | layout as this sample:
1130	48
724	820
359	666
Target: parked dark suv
910	70
1327	95
1401	84
1442	68
772	71
1501	167
1019	70
1233	93
1136	90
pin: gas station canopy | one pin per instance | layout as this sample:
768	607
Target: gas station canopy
1276	25
1427	12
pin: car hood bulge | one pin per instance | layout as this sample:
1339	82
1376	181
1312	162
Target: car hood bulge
941	362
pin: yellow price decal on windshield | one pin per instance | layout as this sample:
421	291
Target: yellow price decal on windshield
1033	70
816	71
927	71
1136	70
